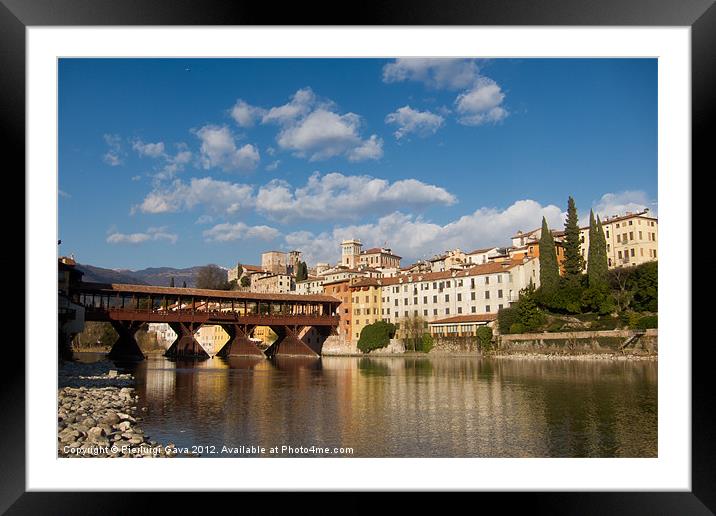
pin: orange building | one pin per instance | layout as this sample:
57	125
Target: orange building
341	290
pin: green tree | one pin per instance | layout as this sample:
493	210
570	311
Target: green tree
548	267
376	336
573	261
212	277
171	282
301	271
597	266
484	338
245	281
183	284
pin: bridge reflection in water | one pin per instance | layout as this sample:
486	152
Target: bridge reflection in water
302	323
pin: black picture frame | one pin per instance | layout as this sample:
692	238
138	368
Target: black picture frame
700	15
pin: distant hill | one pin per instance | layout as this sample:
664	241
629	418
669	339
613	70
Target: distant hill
158	276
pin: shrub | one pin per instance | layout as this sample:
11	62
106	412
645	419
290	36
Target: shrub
376	336
517	328
427	343
647	322
484	338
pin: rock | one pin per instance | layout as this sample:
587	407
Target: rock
111	419
122	415
112	374
96	433
124	426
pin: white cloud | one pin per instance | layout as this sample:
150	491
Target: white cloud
338	196
435	73
300	105
151	150
619	203
219	196
481	103
113	157
136	178
324	134
273	165
152	234
176	163
414	238
412	121
204	219
227	232
245	115
218	149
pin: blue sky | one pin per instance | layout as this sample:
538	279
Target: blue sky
180	162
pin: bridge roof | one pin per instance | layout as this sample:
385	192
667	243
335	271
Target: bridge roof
198	292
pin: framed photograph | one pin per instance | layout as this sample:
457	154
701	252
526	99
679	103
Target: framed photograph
416	253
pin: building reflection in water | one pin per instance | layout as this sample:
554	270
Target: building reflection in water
400	407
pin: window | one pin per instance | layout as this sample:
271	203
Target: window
472	296
425	313
425	300
619	238
487	294
487	280
640	237
415	300
499	278
473	309
447	297
459	309
607	233
405	301
630	222
631	235
447	311
632	252
620	255
472	282
459	297
499	307
487	308
435	311
499	294
435	299
396	301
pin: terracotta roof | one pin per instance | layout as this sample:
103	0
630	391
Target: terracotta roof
477	270
478	251
642	214
256	268
466	319
226	294
378	250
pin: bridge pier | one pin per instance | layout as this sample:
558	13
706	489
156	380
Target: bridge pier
185	345
298	340
126	345
239	343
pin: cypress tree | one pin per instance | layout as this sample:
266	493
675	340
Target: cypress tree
548	268
593	252
171	283
573	261
602	265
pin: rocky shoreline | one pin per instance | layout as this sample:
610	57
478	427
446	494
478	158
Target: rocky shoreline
623	357
97	415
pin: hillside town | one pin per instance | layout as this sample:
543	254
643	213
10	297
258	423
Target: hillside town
453	293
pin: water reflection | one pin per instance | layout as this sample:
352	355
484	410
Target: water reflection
405	407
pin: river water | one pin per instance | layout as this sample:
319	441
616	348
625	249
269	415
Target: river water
400	406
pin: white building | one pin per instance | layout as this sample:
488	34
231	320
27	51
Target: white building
483	289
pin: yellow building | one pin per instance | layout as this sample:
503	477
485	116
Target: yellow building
632	239
366	304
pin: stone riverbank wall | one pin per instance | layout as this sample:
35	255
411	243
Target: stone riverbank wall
580	342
